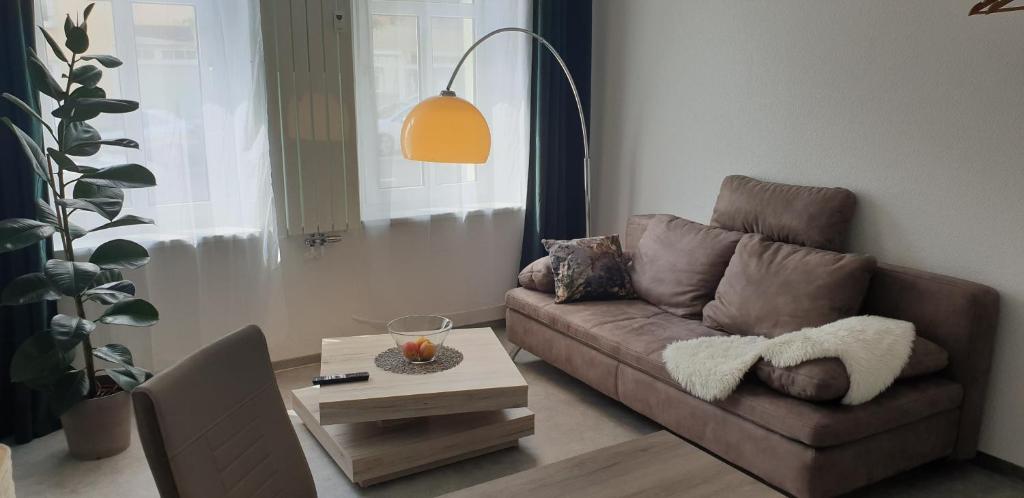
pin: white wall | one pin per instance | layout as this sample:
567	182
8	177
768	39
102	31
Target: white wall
911	104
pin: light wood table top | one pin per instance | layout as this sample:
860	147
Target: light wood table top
656	465
485	380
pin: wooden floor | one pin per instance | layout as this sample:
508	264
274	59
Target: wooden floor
571	419
658	464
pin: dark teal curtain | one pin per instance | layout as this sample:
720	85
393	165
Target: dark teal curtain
24	414
555	205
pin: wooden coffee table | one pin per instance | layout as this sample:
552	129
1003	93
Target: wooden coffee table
658	464
395	424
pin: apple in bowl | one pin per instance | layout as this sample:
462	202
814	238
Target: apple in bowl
419	338
420	350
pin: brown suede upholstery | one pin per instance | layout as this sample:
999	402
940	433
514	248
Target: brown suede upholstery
639	343
804	448
593	367
782	461
808	216
678	263
538	276
960	316
215	425
825	379
632	337
772	288
821	425
636	226
796	468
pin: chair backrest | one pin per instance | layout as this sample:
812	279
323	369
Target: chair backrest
215	425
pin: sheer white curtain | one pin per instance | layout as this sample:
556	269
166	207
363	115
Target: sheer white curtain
405	51
196	67
445	238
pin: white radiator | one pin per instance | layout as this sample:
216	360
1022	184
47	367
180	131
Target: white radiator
308	55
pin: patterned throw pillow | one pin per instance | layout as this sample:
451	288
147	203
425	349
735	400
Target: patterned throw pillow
589	269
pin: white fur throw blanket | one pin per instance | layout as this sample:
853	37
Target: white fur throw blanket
874	350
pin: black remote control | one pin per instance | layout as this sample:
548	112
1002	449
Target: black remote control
326	380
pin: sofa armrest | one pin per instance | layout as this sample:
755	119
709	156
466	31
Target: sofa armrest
538	276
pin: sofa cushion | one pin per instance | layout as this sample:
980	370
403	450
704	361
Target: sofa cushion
678	263
588	269
828	424
825	379
771	288
635	333
629	331
538	276
808	216
821	425
636	226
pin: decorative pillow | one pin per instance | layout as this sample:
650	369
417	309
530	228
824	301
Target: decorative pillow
678	263
538	276
825	379
771	288
589	269
809	216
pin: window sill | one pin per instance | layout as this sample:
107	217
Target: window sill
151	240
444	215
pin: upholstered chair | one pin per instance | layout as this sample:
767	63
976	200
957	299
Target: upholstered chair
215	425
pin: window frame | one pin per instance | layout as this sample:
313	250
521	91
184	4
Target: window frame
143	202
381	202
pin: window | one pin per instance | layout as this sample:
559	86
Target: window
201	123
405	51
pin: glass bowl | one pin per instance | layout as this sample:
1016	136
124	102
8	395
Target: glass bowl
419	337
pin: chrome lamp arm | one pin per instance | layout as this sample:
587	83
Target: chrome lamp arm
572	84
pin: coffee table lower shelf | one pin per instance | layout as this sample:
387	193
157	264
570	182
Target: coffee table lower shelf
373	452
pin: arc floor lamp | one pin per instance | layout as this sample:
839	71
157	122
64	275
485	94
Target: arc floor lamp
448	129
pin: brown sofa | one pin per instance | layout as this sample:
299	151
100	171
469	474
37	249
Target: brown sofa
804	448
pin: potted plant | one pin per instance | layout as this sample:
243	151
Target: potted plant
93	404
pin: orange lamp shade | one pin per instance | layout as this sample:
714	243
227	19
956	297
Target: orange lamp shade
446	129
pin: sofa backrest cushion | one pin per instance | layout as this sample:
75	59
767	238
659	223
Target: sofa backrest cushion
678	263
771	288
636	226
809	216
538	276
825	379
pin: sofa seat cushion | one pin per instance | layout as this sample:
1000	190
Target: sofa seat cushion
825	379
629	331
635	333
822	425
829	424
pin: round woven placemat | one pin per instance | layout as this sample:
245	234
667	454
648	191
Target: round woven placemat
393	361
